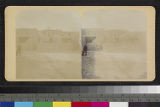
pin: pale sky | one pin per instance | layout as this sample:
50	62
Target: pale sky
69	20
49	18
115	19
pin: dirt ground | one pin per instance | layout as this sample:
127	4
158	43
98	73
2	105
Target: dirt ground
48	66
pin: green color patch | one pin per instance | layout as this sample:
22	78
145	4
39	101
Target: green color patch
42	104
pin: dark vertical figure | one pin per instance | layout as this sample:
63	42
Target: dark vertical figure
85	48
138	104
88	55
154	104
18	51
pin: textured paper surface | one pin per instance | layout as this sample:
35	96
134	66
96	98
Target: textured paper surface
80	43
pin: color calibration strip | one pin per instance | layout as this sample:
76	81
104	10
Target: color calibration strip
79	104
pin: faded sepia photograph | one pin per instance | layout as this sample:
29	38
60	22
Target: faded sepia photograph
80	43
116	44
48	45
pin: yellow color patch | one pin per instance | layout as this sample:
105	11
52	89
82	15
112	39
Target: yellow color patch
61	104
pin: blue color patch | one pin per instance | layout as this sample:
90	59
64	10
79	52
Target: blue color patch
6	104
23	104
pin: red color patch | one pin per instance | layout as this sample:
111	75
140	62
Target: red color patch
81	104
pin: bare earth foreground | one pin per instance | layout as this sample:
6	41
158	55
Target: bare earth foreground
120	66
48	66
114	66
68	66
